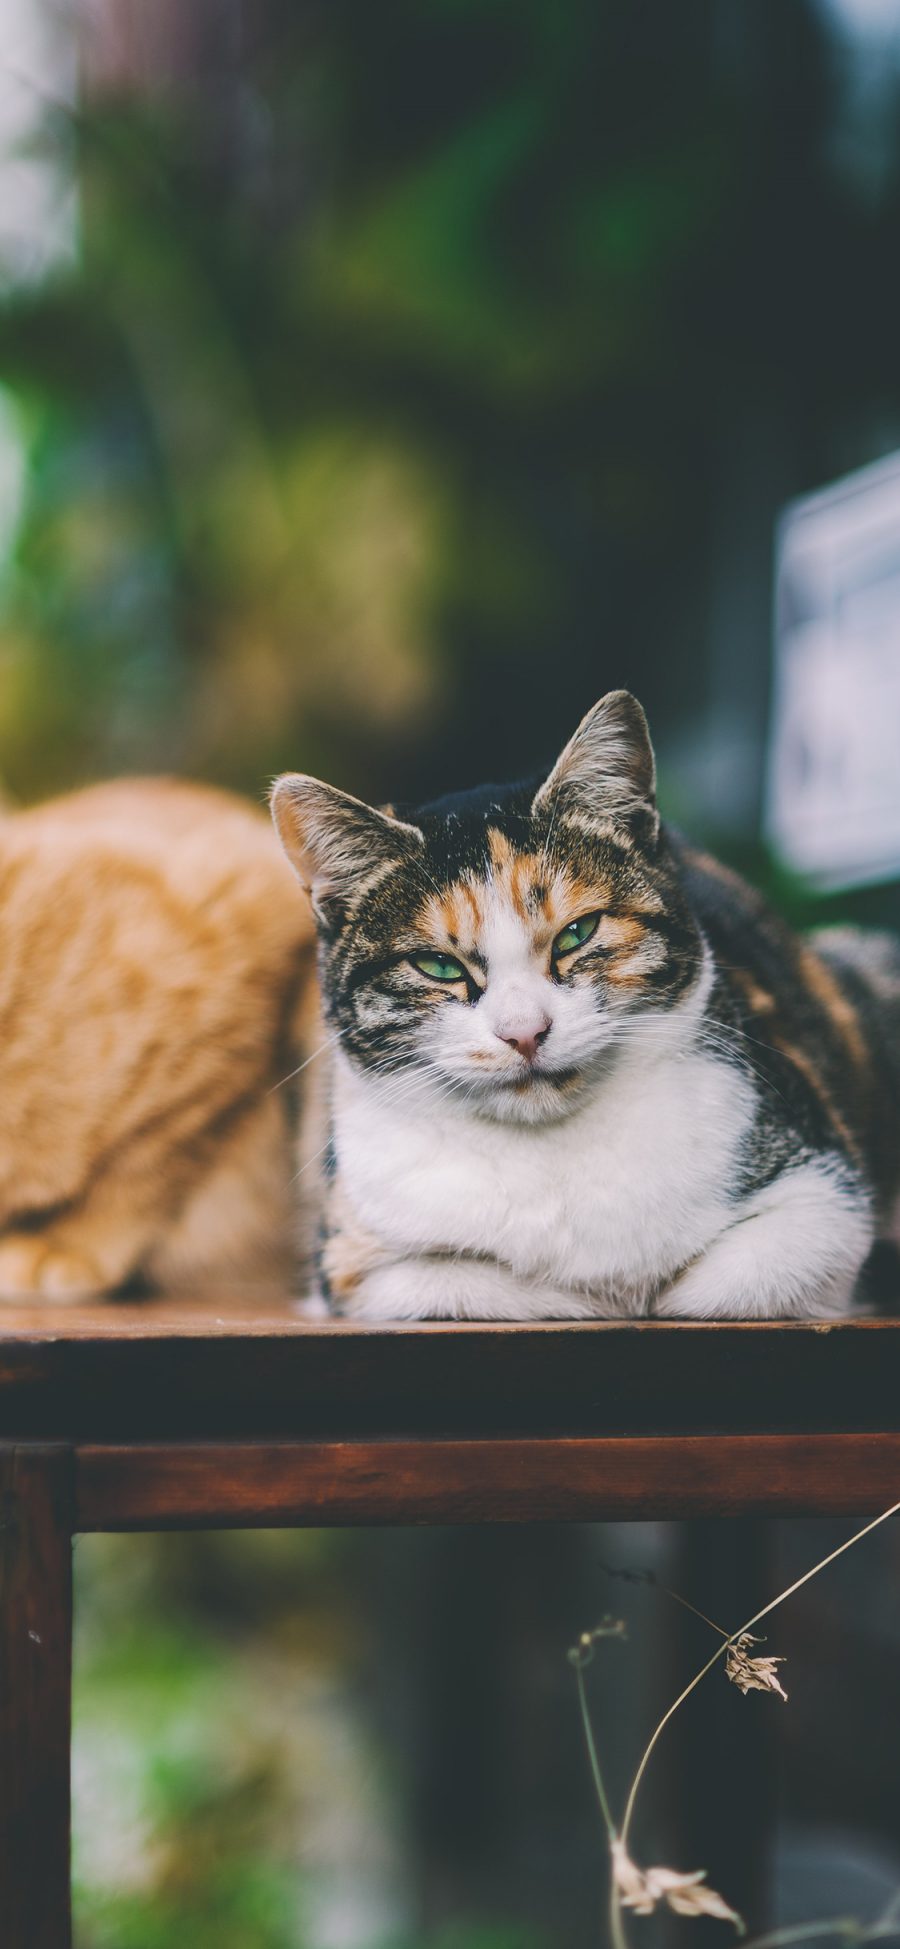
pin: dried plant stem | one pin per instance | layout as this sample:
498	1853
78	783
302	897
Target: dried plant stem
688	1606
615	1914
673	1708
650	1577
617	1935
722	1648
845	1926
592	1755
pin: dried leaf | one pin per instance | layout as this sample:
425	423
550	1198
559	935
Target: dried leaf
644	1889
700	1900
752	1674
630	1881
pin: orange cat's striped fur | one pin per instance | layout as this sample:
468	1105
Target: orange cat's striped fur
153	959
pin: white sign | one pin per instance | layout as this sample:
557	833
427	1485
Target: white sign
833	791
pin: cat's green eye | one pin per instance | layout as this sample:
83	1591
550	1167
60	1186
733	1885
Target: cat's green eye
439	967
575	935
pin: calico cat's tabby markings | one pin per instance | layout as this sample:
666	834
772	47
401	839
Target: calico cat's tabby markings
576	1068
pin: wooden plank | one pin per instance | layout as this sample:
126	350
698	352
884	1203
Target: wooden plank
132	1373
253	1485
35	1693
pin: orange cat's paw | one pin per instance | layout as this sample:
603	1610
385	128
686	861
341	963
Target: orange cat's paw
30	1264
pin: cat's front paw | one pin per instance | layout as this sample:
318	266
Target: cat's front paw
449	1288
32	1266
412	1289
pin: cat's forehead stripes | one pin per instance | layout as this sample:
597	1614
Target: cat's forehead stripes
515	890
468	913
533	887
517	906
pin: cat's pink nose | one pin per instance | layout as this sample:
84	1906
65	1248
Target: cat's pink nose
526	1037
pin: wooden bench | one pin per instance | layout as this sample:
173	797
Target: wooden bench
228	1413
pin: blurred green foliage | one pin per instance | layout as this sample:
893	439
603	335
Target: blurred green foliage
377	423
227	1781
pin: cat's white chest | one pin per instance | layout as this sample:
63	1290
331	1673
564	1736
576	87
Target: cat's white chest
613	1200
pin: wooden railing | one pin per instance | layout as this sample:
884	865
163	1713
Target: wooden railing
231	1412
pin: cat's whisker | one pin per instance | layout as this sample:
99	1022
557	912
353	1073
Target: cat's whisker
323	1046
324	1148
545	854
710	1033
732	1028
717	1033
431	881
643	1033
311	1161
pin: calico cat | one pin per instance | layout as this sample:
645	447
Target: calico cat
154	959
576	1068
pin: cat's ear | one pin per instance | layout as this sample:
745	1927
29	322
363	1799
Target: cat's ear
607	769
337	845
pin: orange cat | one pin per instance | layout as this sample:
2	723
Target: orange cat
154	962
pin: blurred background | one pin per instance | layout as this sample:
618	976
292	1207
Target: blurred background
378	385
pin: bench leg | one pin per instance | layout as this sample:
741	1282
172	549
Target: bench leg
35	1695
